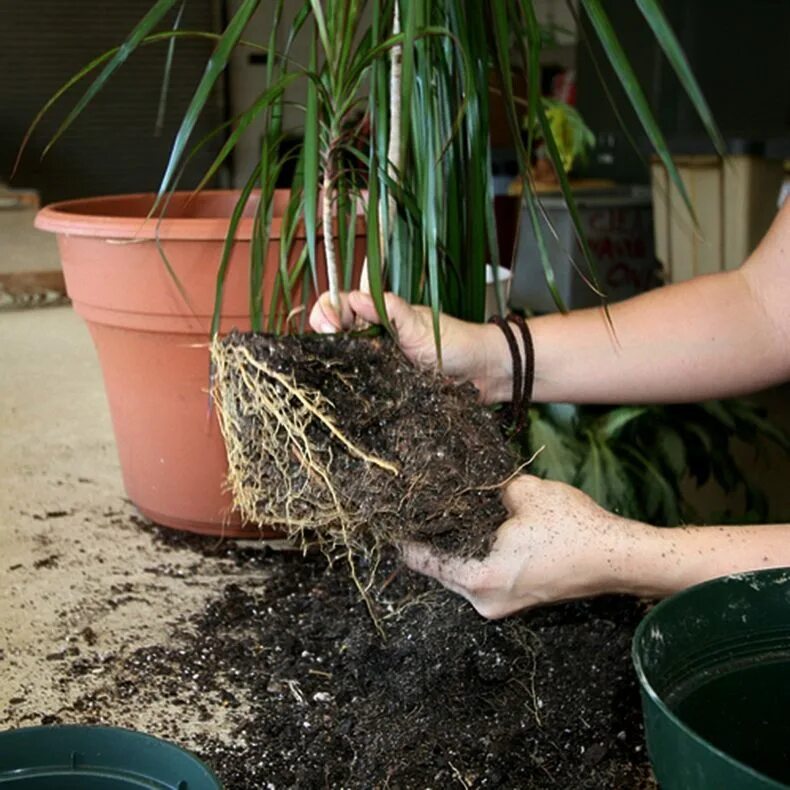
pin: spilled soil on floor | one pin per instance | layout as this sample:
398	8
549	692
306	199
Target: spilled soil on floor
312	697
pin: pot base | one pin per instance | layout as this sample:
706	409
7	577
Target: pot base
233	529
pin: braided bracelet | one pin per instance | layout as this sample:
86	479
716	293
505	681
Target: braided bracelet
523	370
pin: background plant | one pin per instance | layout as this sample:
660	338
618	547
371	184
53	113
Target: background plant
633	459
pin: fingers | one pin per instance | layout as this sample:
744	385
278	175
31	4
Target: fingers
325	319
398	311
452	573
358	305
362	304
472	579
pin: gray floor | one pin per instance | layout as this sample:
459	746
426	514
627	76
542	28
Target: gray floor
67	541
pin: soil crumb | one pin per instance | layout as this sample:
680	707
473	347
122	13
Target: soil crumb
342	435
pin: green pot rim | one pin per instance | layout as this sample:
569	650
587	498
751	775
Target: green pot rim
646	687
100	770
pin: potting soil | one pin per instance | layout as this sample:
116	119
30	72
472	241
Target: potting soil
543	700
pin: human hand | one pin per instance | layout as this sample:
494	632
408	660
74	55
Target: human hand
470	352
557	545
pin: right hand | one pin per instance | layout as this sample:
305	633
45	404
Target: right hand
470	352
556	545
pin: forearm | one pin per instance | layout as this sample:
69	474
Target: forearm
715	336
659	561
709	337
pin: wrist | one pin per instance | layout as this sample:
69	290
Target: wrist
509	362
618	559
649	561
496	366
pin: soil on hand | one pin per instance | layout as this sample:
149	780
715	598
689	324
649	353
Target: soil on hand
342	435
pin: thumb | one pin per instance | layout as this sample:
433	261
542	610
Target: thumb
418	557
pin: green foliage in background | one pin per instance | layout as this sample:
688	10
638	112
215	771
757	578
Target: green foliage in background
633	459
573	137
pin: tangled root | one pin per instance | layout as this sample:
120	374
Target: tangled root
279	475
338	440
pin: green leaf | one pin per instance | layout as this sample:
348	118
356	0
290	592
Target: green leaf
374	254
320	24
604	83
267	100
612	424
227	248
672	450
561	454
718	411
564	415
171	48
155	38
636	96
311	163
288	226
135	38
604	477
257	260
299	19
660	495
653	13
591	476
501	29
413	10
216	65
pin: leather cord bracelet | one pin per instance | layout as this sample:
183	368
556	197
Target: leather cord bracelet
529	357
523	369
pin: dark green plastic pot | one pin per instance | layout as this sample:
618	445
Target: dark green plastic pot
73	757
714	666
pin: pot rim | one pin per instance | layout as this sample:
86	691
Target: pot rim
94	217
98	736
744	577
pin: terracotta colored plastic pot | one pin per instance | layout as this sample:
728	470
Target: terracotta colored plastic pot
152	341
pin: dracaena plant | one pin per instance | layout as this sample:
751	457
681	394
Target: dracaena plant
396	127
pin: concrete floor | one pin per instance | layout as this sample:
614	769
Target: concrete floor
68	543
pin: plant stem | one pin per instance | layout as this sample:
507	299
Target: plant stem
393	152
329	241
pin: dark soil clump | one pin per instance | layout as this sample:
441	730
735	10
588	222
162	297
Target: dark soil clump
342	435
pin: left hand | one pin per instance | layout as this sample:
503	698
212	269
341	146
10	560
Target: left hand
557	545
470	352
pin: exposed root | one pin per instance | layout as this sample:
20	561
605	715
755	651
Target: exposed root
341	443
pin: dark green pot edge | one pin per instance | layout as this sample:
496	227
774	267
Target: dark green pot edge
670	739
